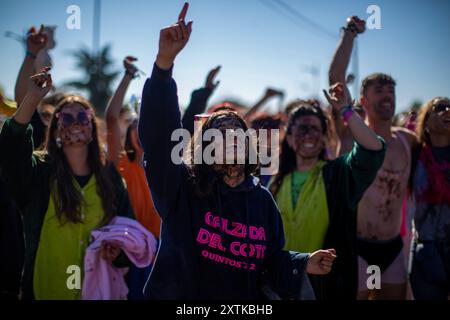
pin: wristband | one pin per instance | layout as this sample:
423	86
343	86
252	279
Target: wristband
352	29
346	113
131	74
31	55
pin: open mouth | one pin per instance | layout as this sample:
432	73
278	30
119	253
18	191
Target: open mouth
387	105
309	145
75	131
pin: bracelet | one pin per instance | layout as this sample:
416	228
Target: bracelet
345	109
31	55
352	29
347	113
131	74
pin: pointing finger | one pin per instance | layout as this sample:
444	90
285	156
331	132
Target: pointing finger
183	12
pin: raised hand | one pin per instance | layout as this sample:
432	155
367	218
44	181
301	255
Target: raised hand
130	68
36	41
321	261
272	93
338	96
40	84
173	39
209	83
356	24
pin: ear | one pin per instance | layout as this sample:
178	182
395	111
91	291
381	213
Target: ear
363	101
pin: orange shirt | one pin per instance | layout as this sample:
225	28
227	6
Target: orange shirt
139	193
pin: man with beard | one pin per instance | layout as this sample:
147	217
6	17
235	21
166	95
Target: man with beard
379	211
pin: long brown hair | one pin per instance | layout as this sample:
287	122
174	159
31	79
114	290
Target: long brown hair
66	196
203	175
288	160
423	137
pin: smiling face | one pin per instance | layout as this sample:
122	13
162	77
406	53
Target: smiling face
306	137
439	117
229	125
45	113
74	126
379	101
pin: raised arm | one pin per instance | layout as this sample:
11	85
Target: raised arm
18	164
341	58
341	103
365	159
269	94
35	42
113	110
199	99
160	117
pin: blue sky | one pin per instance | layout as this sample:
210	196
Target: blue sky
256	45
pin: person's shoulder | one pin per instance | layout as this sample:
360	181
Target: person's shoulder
117	179
267	199
264	191
408	134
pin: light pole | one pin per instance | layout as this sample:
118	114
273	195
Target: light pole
96	28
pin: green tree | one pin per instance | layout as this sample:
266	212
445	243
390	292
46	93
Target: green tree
97	75
415	105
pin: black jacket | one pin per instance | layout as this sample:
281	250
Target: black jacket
213	247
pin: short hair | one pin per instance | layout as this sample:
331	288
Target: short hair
380	78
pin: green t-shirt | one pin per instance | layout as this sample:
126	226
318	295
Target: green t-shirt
298	180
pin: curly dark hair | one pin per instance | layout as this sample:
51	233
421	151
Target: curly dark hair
203	175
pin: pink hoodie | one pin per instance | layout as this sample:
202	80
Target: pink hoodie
103	281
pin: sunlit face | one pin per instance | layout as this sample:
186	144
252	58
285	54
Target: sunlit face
45	113
74	126
379	101
439	117
306	137
231	147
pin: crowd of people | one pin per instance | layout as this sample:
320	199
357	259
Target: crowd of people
352	190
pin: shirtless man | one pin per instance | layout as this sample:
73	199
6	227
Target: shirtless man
379	211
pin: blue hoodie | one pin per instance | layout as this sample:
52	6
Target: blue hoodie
222	246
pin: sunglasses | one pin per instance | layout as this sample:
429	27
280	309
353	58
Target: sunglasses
82	118
441	108
303	130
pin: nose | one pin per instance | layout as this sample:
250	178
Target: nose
388	95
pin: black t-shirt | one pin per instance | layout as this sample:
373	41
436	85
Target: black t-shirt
83	180
39	130
442	155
